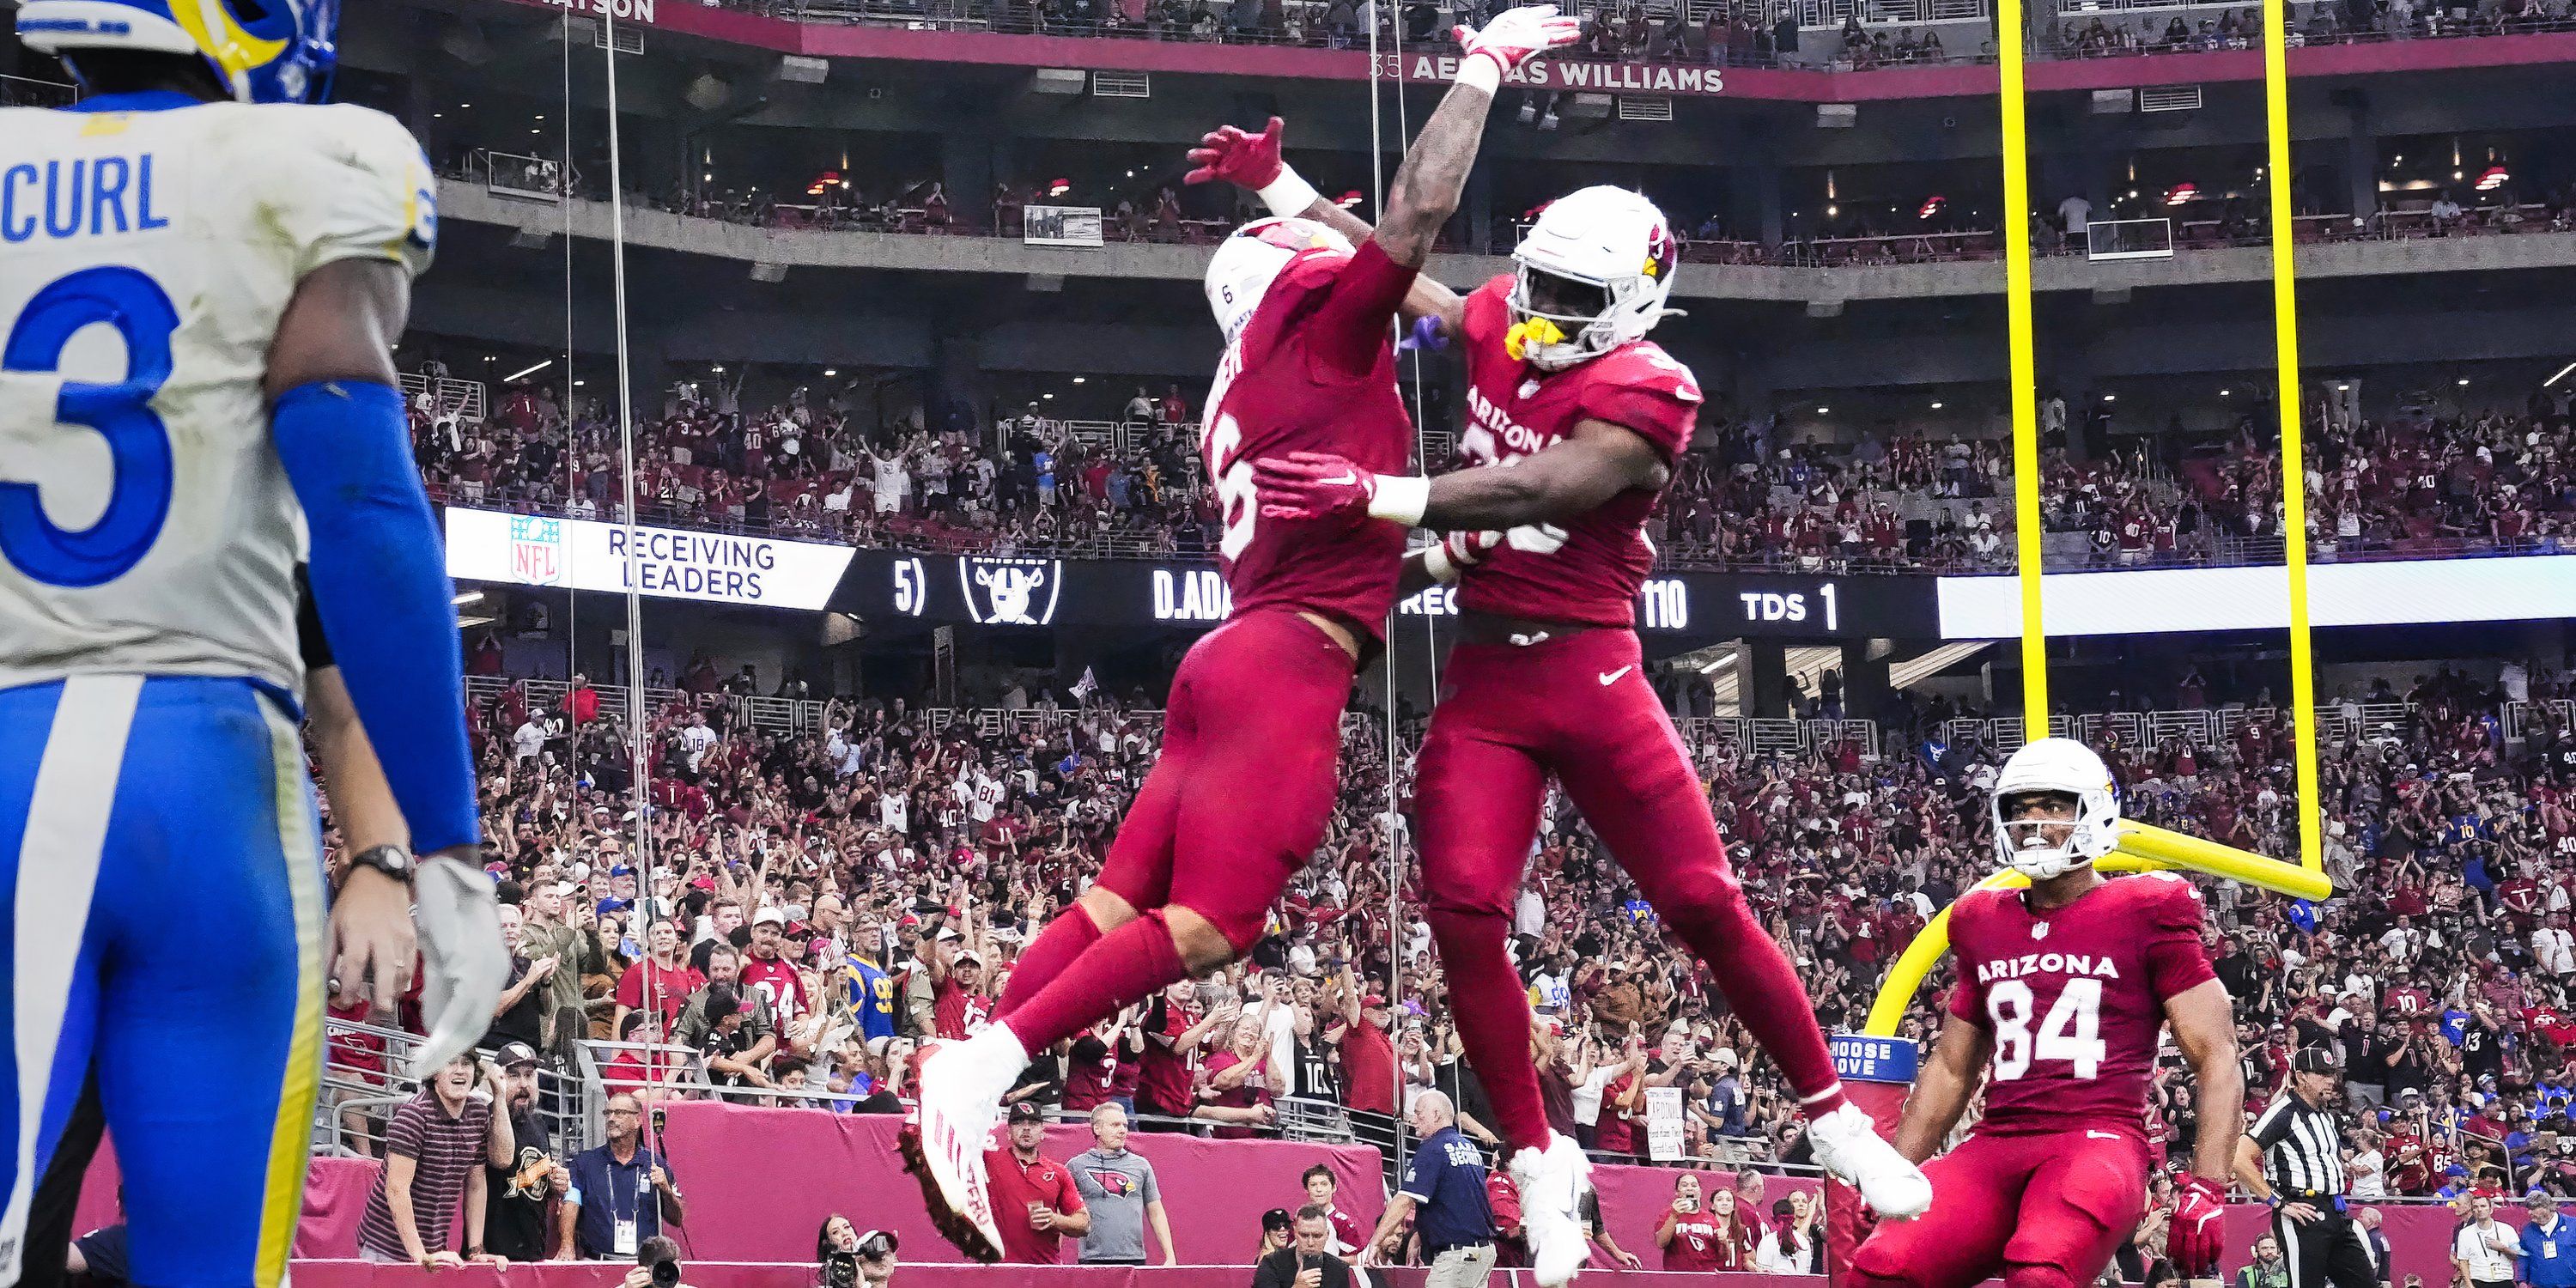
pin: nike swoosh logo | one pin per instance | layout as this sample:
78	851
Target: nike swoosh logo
2101	1135
1347	478
1612	677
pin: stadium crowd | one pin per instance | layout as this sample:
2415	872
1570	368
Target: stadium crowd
824	901
1665	32
1752	494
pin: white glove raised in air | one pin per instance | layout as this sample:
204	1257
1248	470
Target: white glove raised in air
463	966
1514	38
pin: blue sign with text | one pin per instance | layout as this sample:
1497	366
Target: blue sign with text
1863	1058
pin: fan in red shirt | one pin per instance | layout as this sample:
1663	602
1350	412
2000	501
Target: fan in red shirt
960	1008
1033	1195
1576	422
767	972
664	980
2063	991
643	1074
1248	775
1702	1232
1163	1075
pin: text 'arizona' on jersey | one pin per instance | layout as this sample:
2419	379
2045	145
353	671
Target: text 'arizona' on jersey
2074	997
146	257
1514	409
1309	367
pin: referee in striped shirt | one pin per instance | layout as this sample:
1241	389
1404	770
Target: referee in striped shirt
2293	1161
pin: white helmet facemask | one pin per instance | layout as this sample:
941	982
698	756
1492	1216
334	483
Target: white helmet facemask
1592	274
2063	767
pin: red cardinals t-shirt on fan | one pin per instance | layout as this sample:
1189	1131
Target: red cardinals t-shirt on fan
2075	997
776	980
1516	410
1289	383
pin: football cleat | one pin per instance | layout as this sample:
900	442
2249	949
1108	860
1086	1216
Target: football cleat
1848	1145
1551	1182
960	1101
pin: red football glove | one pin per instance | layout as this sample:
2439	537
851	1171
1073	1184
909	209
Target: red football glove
2199	1191
1248	161
1515	37
1312	485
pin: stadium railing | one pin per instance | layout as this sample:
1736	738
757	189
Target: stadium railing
2521	718
2205	727
364	1081
27	91
463	399
1747	735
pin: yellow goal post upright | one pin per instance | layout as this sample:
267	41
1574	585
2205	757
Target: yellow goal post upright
1875	1061
1875	1055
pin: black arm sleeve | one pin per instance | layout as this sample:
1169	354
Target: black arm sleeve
309	642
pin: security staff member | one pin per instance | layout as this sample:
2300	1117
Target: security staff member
1444	1193
2547	1244
2293	1161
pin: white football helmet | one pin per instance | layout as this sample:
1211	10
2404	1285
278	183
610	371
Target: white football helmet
2055	765
1247	263
1594	272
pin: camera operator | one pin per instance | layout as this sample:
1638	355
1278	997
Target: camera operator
845	1258
657	1264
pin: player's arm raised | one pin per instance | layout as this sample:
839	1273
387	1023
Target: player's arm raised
1941	1094
2205	1031
1427	186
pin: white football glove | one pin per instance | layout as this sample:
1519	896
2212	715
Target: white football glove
1517	36
463	966
1459	551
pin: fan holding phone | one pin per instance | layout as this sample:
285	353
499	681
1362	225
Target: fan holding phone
1307	1261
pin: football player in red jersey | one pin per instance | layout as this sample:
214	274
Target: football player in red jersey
2063	989
1239	798
1577	420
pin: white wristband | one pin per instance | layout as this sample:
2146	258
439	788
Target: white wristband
1484	71
1435	560
1289	194
1401	497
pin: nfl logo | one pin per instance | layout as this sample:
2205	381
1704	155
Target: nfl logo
537	550
2039	931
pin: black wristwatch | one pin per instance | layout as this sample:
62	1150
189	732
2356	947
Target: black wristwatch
392	860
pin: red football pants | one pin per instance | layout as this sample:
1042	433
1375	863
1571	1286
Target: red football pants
2045	1210
1580	707
1239	798
1234	806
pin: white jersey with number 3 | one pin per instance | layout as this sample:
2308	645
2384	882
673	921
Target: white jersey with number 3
145	260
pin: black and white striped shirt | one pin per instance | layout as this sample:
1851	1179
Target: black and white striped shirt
2302	1147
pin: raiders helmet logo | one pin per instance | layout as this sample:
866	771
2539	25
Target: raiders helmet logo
1010	592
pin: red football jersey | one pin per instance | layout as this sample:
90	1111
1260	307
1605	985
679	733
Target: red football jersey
1515	410
776	980
2075	999
1287	385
